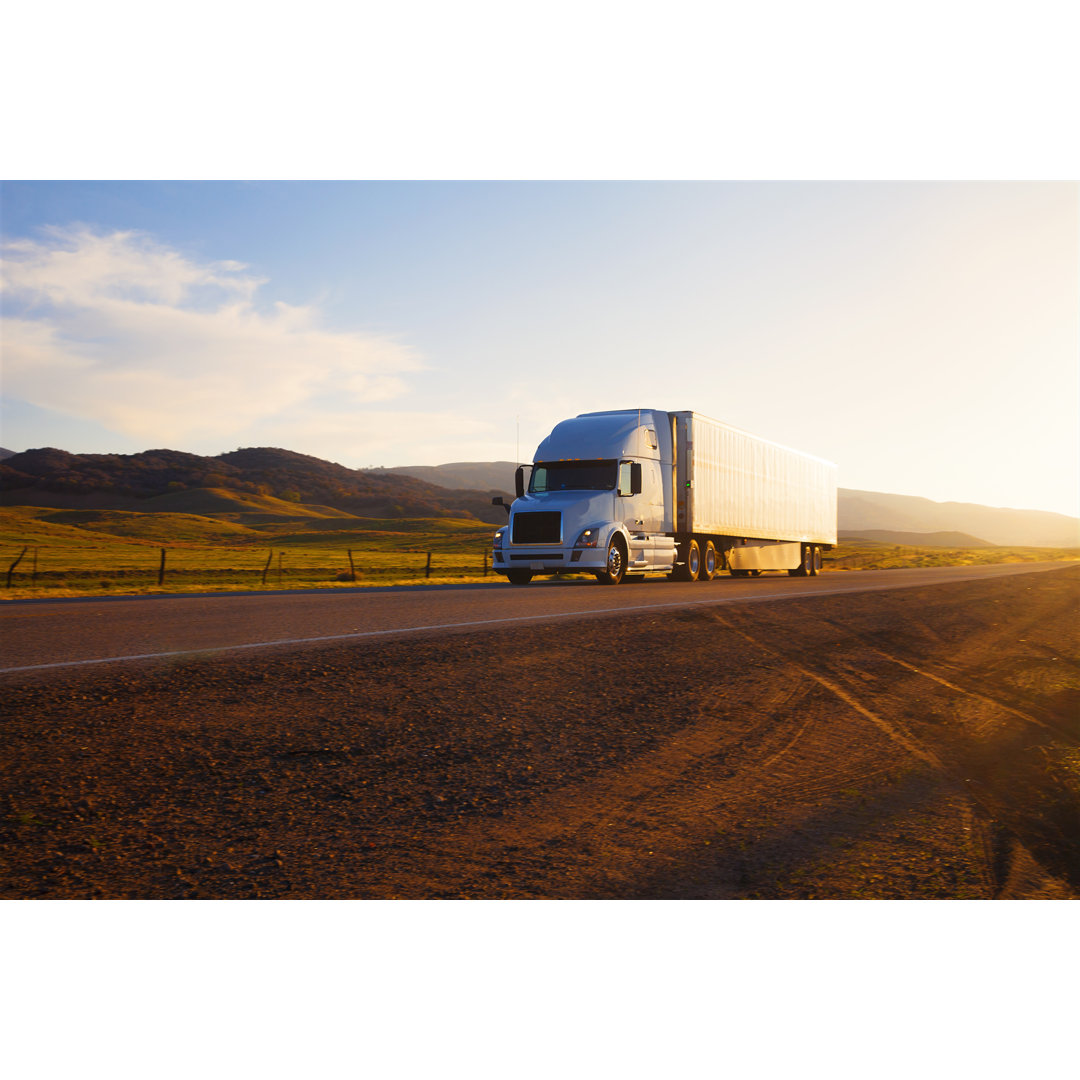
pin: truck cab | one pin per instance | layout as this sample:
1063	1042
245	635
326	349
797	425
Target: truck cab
596	501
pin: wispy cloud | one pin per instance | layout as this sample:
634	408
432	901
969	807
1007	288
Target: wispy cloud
119	329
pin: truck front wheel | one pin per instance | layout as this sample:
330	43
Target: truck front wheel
615	566
519	577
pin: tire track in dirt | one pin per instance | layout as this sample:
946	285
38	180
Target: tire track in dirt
1008	867
893	731
925	673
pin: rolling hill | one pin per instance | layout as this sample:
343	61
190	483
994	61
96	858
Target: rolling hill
296	485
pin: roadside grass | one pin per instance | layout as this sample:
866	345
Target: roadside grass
111	552
872	555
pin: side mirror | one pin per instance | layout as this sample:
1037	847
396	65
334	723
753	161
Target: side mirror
629	478
519	481
498	501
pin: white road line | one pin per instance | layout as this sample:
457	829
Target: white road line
208	649
357	635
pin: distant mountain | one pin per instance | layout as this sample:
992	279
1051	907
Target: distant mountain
860	511
6	453
494	476
51	477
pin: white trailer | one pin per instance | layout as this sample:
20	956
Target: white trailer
641	491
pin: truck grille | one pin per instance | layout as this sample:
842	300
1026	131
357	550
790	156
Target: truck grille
537	527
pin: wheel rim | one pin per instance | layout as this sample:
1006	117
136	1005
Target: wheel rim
693	561
614	561
710	562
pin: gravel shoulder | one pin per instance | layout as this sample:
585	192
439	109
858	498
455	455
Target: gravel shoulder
908	744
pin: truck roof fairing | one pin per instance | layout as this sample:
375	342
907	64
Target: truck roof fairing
607	435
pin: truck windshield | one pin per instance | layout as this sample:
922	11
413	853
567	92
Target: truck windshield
573	476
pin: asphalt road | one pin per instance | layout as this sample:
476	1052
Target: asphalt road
52	634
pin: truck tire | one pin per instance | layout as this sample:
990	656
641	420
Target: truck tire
709	560
615	563
815	561
806	567
690	567
519	577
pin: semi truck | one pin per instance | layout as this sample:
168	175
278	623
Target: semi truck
637	492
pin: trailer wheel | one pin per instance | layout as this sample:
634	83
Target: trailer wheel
693	561
519	577
817	561
708	562
615	566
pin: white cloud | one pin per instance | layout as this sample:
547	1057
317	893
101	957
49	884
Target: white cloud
121	330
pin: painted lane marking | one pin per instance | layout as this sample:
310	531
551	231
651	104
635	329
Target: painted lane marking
521	619
383	633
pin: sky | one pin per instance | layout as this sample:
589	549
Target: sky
922	336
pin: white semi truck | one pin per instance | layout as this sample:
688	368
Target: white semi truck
640	491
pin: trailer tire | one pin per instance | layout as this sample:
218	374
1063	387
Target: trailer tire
519	577
692	566
815	561
615	563
709	559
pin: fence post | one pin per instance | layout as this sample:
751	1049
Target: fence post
161	569
485	562
427	569
33	576
11	568
352	567
279	554
266	568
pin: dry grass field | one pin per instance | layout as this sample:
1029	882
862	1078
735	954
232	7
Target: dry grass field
94	552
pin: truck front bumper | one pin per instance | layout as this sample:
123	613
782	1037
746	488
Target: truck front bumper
549	560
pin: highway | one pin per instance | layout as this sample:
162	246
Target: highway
46	635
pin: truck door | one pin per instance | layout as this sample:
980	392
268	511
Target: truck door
640	496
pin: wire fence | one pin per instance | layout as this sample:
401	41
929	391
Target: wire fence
38	567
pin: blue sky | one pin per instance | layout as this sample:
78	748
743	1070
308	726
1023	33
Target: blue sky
923	336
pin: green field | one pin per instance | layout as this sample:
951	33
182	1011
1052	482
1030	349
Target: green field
96	552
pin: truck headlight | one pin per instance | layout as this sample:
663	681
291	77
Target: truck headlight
588	538
497	542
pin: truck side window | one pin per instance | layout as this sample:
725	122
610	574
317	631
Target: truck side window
627	477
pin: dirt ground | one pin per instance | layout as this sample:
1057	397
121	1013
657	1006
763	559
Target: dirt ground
908	744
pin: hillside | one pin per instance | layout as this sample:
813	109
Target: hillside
179	482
